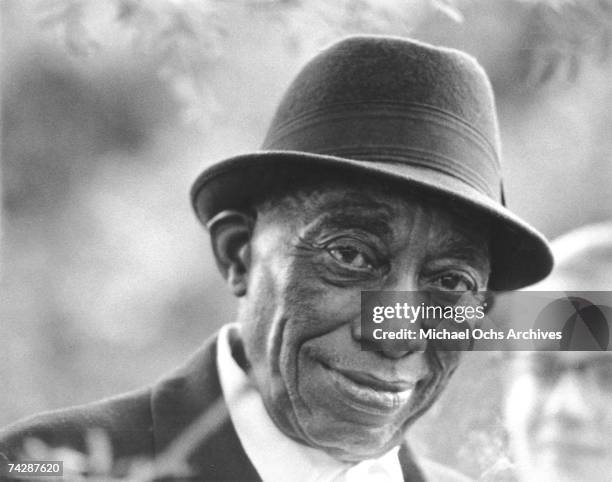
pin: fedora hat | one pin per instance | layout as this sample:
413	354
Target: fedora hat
421	115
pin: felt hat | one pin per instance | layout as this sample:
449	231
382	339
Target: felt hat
397	108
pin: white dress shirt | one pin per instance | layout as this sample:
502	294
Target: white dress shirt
276	457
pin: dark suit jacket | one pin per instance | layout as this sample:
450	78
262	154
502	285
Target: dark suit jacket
144	422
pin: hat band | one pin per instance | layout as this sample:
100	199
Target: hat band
413	134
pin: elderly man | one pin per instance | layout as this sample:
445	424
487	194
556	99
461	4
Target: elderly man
559	405
380	171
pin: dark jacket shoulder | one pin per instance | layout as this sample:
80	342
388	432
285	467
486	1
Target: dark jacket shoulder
146	423
126	420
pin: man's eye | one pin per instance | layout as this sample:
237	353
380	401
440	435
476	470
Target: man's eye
352	257
455	282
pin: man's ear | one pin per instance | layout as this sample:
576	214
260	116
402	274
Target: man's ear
230	234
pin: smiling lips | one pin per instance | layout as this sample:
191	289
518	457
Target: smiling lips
371	392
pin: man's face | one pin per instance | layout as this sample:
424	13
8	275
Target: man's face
309	261
559	414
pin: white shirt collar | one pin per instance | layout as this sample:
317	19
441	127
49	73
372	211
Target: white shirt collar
275	456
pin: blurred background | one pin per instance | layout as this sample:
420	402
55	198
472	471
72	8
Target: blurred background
110	110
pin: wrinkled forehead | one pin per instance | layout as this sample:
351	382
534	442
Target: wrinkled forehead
389	211
383	202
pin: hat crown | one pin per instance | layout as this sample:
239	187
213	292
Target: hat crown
367	70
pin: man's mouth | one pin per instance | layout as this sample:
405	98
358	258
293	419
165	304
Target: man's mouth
370	392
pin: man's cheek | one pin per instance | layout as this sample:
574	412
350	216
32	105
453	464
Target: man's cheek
313	316
326	307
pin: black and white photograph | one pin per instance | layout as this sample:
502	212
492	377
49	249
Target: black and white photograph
306	240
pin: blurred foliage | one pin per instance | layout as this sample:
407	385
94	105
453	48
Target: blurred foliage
186	36
562	33
99	462
107	278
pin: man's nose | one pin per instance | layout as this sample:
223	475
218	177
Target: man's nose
568	400
407	280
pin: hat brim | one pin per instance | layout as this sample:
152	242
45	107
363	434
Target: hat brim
520	255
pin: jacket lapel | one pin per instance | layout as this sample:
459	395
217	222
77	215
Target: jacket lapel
183	399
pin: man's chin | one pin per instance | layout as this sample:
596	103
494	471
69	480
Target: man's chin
360	453
348	422
355	447
346	439
331	397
